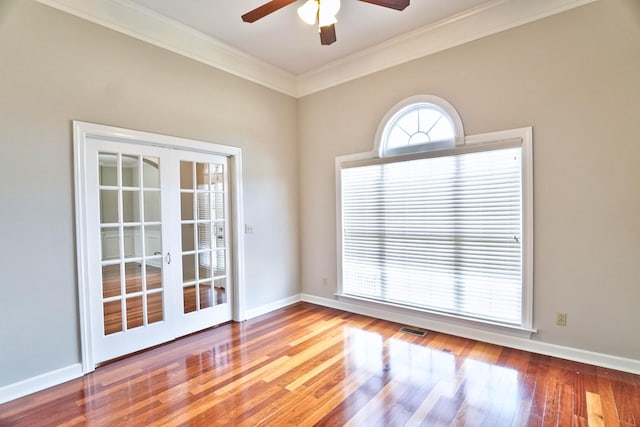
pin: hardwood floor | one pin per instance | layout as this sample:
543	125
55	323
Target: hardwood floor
308	365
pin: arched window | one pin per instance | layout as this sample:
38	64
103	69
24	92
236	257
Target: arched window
445	230
419	123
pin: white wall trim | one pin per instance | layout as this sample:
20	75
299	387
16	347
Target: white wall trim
80	186
136	21
268	308
563	352
40	382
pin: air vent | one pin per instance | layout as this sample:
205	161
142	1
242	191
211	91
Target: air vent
412	331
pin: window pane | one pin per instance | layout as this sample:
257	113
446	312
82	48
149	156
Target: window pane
154	308
188	268
442	130
112	317
217	206
189	299
132	242
134	312
152	240
130	171
151	172
108	169
220	241
409	122
110	237
206	295
131	206
204	206
154	276
428	118
111	281
188	237
186	175
133	277
204	265
218	263
397	138
186	206
204	235
202	176
152	206
217	177
108	206
220	290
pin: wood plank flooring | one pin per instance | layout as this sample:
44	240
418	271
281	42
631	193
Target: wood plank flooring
308	365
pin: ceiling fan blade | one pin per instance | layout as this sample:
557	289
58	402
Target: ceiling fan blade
327	34
393	4
265	9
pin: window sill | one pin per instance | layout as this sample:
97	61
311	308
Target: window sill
437	321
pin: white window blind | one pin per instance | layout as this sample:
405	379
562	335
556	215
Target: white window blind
441	234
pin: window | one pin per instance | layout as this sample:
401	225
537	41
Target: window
445	230
420	123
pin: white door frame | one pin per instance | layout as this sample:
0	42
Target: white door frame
81	132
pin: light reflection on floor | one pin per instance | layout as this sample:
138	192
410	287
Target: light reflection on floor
432	374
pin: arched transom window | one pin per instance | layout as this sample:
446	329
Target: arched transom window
419	123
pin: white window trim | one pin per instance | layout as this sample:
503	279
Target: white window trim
523	136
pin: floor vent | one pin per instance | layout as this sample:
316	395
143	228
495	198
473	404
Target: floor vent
412	331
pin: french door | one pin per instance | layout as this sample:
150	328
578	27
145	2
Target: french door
158	252
204	250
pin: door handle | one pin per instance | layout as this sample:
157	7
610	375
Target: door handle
168	257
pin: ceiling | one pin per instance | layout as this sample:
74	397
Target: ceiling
283	53
283	40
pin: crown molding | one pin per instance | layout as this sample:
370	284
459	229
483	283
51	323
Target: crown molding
489	18
141	23
135	21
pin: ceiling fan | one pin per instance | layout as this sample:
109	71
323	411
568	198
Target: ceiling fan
322	12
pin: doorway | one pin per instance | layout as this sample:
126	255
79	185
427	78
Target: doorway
159	238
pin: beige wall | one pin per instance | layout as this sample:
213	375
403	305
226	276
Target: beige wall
574	77
55	68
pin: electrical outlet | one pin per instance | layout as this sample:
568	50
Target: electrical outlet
561	319
324	281
248	228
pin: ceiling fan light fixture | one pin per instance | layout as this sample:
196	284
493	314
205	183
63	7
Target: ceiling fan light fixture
308	12
331	7
322	12
328	11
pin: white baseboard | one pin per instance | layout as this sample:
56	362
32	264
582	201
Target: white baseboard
268	308
41	382
569	353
